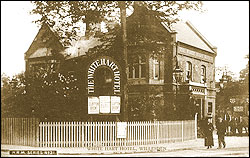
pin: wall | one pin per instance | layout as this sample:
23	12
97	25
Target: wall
197	58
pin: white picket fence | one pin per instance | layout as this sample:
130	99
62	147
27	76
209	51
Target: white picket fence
104	134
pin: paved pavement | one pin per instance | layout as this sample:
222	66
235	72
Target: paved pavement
236	146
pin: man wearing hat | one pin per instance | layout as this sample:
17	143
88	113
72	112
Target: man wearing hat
221	130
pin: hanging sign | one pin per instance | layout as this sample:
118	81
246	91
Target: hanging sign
104	104
93	105
121	128
103	62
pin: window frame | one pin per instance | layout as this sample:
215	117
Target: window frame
156	61
141	64
190	71
209	107
203	74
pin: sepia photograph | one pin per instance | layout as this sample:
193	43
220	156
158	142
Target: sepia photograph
124	78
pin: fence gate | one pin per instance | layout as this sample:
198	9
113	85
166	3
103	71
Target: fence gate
20	131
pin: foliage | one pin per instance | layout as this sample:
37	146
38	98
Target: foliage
13	95
244	73
146	107
65	16
50	94
46	95
238	89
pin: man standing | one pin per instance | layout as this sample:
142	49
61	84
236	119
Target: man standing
221	130
208	133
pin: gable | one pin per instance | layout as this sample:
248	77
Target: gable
143	25
44	40
187	34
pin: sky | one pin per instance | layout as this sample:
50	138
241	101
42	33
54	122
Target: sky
225	24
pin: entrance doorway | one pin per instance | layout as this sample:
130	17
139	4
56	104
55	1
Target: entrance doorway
104	81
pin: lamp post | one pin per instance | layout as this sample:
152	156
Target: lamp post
178	73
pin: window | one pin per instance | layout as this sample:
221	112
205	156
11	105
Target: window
48	65
137	66
210	105
156	68
188	70
203	74
37	68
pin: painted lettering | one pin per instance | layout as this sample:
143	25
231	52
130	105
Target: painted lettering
107	64
93	64
103	62
97	63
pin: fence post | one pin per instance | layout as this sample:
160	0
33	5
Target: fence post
37	126
182	131
195	124
158	132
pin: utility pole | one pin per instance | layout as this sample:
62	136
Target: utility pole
122	5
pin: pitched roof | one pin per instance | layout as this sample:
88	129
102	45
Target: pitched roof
188	34
81	47
41	52
38	47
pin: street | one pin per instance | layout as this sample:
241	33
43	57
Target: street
236	147
201	152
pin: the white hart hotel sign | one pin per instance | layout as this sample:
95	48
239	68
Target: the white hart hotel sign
104	62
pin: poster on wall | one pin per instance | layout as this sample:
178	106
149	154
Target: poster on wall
121	129
93	105
115	104
104	104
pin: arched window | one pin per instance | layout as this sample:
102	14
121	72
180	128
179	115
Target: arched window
137	66
203	74
189	71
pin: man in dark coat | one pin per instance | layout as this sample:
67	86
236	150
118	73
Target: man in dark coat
221	130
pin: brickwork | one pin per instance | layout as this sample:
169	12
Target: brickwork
197	61
199	58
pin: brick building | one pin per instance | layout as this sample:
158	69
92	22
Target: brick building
155	50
